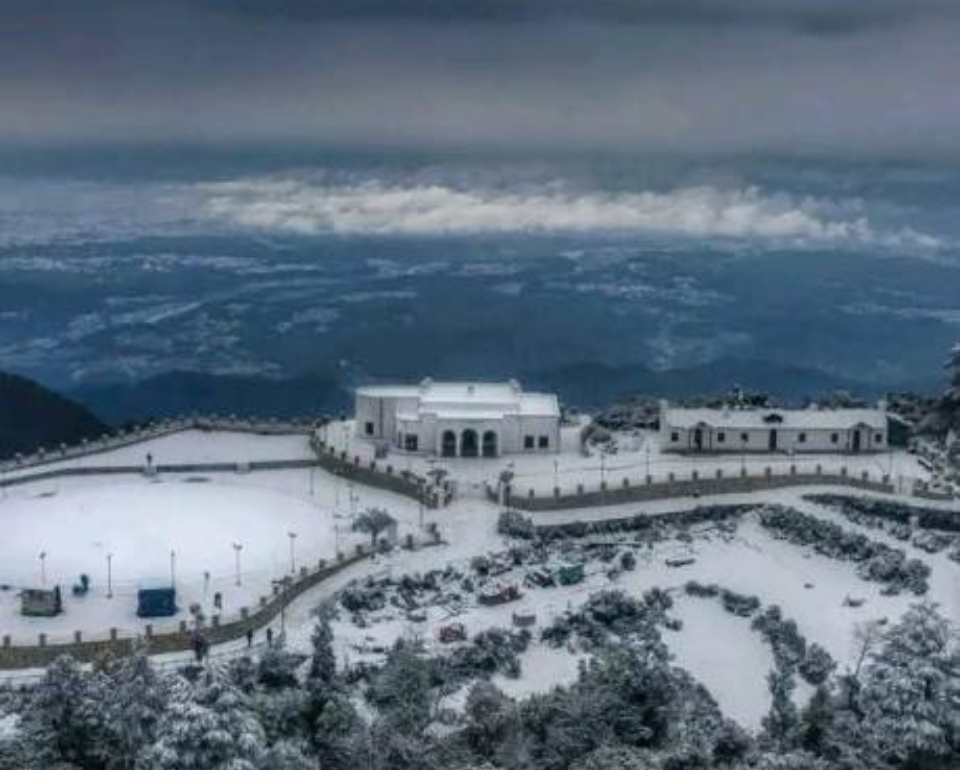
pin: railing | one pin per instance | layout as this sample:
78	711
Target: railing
692	485
380	475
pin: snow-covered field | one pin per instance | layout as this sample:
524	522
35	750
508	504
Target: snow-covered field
79	520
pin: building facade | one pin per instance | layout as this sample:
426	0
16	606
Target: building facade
757	430
458	419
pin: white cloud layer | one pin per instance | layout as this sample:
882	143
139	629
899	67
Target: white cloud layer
370	207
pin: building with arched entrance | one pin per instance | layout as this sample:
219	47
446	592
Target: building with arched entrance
770	430
459	419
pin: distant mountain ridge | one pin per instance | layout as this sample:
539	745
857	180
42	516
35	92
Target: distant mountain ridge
32	416
174	394
587	385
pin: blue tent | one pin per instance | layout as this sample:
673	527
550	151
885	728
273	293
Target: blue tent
158	602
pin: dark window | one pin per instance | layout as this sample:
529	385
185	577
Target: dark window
879	438
369	428
411	443
674	436
721	437
835	438
744	437
528	442
543	442
802	438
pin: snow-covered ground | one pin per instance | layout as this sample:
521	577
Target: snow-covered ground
76	521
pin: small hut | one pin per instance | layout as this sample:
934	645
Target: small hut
156	601
41	602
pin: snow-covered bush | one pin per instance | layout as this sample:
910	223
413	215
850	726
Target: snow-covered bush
876	560
515	524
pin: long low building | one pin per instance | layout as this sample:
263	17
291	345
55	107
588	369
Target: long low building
741	430
459	419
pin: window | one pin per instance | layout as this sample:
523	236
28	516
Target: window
835	438
543	442
675	437
528	442
369	428
721	437
744	437
411	442
879	438
802	438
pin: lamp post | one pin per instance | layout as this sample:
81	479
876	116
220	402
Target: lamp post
556	474
43	568
237	548
109	575
173	569
293	558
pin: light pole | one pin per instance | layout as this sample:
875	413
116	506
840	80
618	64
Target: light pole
173	569
237	547
556	474
312	469
43	568
293	558
353	500
109	575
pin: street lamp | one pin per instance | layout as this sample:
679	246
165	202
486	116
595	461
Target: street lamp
237	547
556	474
173	569
293	560
109	575
43	568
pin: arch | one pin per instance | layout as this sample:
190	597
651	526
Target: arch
490	443
469	443
449	444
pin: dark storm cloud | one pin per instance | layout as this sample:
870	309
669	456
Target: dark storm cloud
815	16
857	76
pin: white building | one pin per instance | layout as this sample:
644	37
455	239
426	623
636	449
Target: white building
773	430
454	419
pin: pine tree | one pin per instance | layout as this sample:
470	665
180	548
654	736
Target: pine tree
323	660
134	700
910	697
206	727
781	723
59	724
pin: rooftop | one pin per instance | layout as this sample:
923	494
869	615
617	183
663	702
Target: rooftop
811	419
465	400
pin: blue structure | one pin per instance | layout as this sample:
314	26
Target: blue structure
158	602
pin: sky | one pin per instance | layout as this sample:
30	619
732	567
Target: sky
846	78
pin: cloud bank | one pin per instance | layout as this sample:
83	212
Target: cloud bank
824	77
371	207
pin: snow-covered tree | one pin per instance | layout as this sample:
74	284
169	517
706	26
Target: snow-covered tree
207	726
373	521
781	723
618	758
60	723
323	660
910	695
952	393
134	701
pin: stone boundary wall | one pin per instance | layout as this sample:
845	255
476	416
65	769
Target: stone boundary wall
216	631
694	485
379	475
122	439
120	470
641	521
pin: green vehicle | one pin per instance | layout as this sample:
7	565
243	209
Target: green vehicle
570	574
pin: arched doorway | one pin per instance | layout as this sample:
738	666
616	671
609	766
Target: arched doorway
490	444
449	444
469	444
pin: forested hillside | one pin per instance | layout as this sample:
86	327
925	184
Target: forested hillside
31	416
